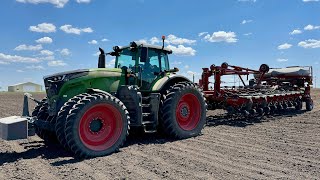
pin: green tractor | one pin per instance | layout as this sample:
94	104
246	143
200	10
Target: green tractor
90	111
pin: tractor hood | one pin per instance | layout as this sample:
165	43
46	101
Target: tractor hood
98	72
87	77
63	74
62	86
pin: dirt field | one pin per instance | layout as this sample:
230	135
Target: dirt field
276	147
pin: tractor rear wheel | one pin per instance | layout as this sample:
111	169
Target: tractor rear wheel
183	111
41	112
61	119
97	125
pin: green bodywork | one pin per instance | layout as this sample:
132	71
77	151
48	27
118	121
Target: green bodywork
105	79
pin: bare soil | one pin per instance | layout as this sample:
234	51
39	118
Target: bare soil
282	147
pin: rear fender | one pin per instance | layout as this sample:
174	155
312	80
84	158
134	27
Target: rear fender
167	81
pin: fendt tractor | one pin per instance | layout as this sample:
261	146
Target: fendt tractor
90	111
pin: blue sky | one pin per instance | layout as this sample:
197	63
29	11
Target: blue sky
40	37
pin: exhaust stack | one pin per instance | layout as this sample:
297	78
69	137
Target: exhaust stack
102	59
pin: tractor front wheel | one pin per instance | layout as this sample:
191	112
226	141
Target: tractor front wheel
309	105
183	111
41	112
61	119
97	125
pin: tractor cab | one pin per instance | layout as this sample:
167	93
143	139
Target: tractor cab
142	64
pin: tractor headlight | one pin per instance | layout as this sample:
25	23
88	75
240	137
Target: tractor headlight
67	77
57	78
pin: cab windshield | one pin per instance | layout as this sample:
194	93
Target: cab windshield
125	59
129	59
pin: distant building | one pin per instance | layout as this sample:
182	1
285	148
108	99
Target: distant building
25	87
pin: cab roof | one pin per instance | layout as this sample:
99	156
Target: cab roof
167	50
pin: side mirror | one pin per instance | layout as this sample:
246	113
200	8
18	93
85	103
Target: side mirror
144	54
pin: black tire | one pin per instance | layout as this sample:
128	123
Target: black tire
61	119
191	118
37	107
309	105
41	112
99	110
298	107
264	68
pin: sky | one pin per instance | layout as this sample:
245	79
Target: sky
41	37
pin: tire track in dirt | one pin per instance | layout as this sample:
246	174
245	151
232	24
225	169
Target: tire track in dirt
171	167
32	166
243	164
266	158
79	169
190	163
219	163
130	166
261	150
262	140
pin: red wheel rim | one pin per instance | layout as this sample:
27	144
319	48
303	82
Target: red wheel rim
109	129
188	112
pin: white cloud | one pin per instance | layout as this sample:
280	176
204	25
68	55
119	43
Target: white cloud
142	41
247	1
296	31
222	36
282	60
310	43
15	58
43	28
65	52
45	40
311	27
111	63
24	47
247	34
46	58
181	50
57	63
83	1
46	53
311	0
96	54
191	73
202	33
284	46
176	63
154	40
104	40
57	3
4	62
172	39
246	21
34	67
186	66
20	71
93	42
72	30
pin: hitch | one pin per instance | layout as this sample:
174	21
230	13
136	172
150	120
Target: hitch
19	127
